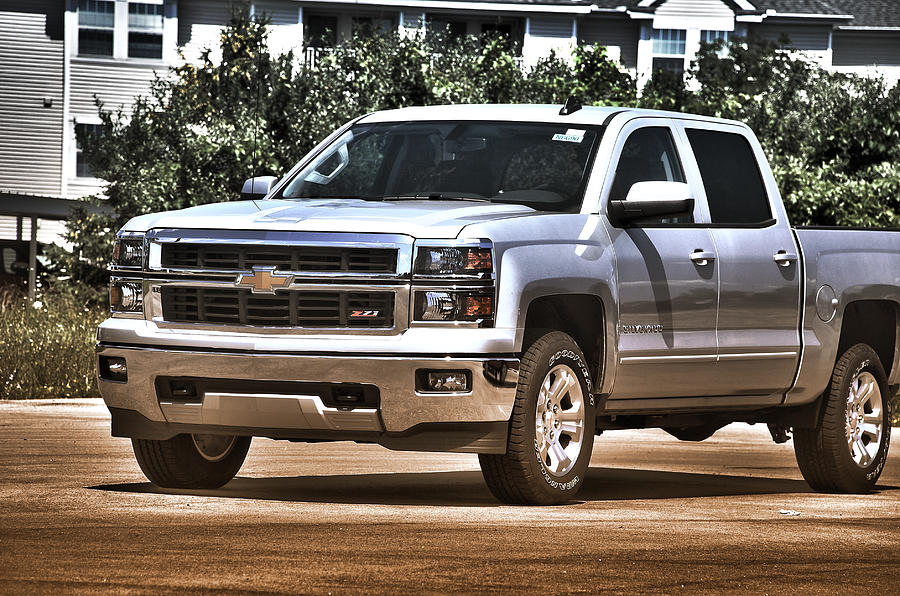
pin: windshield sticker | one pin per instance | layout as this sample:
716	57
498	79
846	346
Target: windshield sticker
573	135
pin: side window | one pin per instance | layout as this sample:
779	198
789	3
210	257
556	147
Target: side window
9	257
731	177
82	167
648	155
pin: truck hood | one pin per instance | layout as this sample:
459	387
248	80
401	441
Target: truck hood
420	219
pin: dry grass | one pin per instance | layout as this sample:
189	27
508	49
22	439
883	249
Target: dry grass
47	347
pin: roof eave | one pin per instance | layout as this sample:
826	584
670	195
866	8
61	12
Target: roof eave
802	15
874	28
467	5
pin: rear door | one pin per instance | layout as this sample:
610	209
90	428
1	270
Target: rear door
758	267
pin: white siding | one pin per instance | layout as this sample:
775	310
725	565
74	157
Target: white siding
31	68
546	35
285	28
698	14
854	49
50	231
813	38
622	35
558	27
283	12
199	24
116	84
82	187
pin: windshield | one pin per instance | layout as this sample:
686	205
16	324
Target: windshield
543	166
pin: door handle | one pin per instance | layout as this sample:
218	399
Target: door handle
784	258
702	258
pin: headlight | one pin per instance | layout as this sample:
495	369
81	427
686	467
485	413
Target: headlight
453	282
126	297
454	261
455	305
128	251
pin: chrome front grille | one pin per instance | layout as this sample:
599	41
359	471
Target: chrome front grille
327	282
289	308
316	259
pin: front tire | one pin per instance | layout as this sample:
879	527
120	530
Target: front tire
193	461
551	430
846	451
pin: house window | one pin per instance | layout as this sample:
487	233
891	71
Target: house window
502	29
320	31
145	30
96	22
82	167
365	26
452	29
711	37
503	33
669	50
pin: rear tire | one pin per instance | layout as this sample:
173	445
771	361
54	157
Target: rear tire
846	451
551	432
191	461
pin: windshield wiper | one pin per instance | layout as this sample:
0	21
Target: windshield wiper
422	196
361	197
432	196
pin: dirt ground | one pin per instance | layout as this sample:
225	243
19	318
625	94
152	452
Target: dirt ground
654	516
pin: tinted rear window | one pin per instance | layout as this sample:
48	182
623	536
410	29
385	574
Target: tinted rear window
731	177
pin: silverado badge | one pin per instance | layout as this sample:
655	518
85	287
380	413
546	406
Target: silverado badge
263	280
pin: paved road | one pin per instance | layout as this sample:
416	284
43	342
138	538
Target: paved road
656	516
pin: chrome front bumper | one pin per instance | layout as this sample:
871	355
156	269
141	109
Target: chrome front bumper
401	407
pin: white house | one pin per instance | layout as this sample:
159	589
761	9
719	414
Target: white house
57	55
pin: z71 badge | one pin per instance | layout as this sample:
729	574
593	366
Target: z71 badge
364	314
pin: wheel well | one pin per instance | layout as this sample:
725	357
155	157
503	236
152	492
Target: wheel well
873	322
579	315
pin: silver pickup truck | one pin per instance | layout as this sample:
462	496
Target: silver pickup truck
508	281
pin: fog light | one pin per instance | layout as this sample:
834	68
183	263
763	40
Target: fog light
443	381
113	369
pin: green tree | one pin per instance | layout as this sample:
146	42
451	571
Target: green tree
832	139
600	81
201	131
206	127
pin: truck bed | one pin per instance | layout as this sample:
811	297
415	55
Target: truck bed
857	265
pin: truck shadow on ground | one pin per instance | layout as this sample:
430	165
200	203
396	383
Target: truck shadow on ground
467	489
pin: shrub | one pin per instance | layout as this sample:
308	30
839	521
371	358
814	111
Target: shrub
47	346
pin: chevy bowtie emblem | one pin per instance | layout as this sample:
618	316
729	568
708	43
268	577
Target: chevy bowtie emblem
264	280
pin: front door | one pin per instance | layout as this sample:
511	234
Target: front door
667	280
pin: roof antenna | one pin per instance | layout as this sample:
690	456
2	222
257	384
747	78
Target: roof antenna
570	107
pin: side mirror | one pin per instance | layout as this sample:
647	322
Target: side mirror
652	199
257	187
